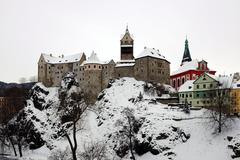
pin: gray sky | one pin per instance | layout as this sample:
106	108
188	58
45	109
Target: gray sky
31	27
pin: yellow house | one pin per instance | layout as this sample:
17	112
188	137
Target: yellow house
235	97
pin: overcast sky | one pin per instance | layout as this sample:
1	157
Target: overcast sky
31	27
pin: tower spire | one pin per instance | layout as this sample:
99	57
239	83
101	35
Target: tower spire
186	54
127	28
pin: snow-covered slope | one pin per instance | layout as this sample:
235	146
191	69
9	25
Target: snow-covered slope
163	132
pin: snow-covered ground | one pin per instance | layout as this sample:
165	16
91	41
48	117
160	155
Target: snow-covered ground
162	126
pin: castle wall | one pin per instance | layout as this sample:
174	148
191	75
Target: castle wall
92	81
108	71
126	71
152	70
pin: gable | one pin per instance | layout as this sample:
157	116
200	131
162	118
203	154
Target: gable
127	37
204	78
41	59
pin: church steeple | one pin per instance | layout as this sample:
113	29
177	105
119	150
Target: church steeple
186	54
126	44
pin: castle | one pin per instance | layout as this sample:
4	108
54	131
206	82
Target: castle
94	75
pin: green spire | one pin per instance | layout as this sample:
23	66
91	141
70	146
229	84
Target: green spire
186	54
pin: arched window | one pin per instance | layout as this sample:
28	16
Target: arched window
174	83
178	82
183	80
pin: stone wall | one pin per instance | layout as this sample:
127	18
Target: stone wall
126	71
152	70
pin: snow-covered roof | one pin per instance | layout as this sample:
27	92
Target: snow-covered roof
225	81
150	52
186	66
62	59
126	45
236	85
125	65
93	59
187	86
127	61
212	76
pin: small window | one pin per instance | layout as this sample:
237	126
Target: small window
190	95
99	67
197	86
197	102
197	95
211	85
204	85
94	66
88	66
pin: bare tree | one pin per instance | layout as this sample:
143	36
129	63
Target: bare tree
93	151
72	107
219	105
129	128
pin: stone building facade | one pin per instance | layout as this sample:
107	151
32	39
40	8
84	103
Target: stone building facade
94	75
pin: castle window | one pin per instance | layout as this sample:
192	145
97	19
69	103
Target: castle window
88	66
41	66
152	70
99	67
94	66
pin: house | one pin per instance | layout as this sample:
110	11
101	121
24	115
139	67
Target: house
189	69
203	91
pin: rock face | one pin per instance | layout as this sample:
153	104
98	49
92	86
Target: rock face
234	145
150	135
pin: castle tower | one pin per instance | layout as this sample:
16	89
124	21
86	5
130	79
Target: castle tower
186	54
126	44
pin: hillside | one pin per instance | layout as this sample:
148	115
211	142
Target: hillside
162	133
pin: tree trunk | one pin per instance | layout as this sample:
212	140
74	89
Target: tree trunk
75	141
20	149
14	149
73	145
